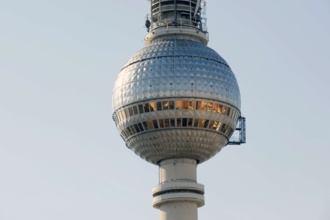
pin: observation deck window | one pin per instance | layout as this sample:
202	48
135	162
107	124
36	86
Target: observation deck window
137	128
167	123
126	113
155	124
215	125
196	122
223	128
209	106
146	107
178	122
133	129
135	109
211	124
159	106
219	125
185	104
190	122
172	121
206	123
223	109
228	111
179	104
145	125
184	122
201	123
152	106
171	104
161	123
141	109
215	107
191	105
165	105
204	105
150	124
140	127
130	110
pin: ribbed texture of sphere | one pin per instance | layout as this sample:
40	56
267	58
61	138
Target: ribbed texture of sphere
176	98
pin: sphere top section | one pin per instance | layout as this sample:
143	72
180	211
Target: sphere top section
175	68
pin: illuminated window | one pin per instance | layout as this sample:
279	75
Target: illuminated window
215	107
178	104
220	109
223	110
191	105
165	105
152	106
209	106
198	105
185	104
204	106
211	124
201	123
215	125
218	127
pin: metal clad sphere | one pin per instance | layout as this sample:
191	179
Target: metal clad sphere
176	98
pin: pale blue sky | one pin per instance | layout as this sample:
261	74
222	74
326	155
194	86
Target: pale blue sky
62	159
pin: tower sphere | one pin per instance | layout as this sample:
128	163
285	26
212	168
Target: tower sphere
176	98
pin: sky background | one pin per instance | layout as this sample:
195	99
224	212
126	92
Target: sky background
61	157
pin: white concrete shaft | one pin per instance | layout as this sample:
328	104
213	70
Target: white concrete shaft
179	211
177	169
172	170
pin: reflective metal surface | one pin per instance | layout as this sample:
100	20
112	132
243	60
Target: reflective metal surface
179	71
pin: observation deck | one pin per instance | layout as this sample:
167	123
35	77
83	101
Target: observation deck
182	18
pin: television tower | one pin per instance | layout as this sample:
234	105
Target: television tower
176	103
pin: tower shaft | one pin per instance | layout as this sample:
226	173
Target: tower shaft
178	195
176	104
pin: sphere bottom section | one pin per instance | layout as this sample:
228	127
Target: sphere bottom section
196	144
